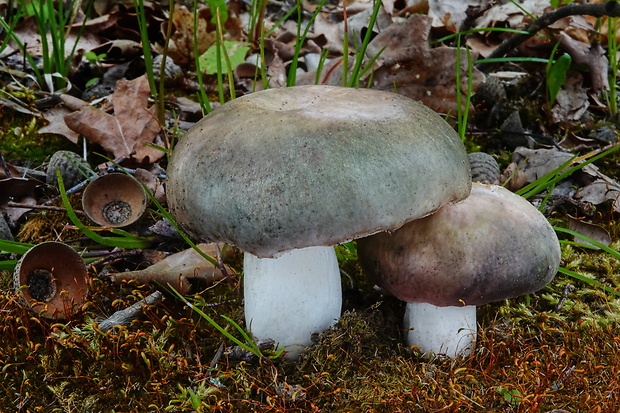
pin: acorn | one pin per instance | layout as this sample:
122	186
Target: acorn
484	168
73	169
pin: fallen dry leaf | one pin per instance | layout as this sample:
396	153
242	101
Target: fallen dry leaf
56	124
409	66
154	185
596	232
452	14
181	46
571	101
357	25
511	13
503	14
125	133
536	163
595	187
330	30
590	55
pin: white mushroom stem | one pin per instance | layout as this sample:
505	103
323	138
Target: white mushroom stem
292	296
449	331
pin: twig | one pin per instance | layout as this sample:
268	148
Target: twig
113	256
238	353
4	167
611	9
70	191
12	204
126	316
218	356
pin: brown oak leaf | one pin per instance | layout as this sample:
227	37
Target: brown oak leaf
125	133
414	69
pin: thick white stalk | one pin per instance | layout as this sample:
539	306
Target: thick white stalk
292	296
449	331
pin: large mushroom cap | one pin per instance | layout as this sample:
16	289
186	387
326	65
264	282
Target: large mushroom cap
313	166
494	245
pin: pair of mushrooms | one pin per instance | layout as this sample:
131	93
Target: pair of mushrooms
286	174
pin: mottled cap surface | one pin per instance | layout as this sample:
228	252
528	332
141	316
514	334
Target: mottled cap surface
492	246
313	165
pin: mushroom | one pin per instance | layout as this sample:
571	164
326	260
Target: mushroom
492	246
286	174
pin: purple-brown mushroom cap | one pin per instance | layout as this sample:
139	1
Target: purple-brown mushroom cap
494	245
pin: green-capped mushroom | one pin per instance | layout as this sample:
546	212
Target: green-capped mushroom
286	174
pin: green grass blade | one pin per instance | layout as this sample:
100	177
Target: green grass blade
513	59
8	265
220	34
301	38
146	46
480	30
14	247
370	64
587	280
203	99
603	247
359	58
219	328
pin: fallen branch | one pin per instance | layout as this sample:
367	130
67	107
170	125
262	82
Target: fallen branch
611	9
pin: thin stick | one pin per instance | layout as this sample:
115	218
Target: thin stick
610	8
12	204
126	316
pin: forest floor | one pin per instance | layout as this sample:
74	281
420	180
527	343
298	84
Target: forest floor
548	100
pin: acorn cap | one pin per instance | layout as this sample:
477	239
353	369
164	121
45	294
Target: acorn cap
492	246
114	200
313	166
51	279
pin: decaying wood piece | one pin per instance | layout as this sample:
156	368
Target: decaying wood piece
126	316
177	269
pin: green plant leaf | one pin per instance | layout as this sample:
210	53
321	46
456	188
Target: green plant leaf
250	346
512	396
8	265
236	52
556	76
214	5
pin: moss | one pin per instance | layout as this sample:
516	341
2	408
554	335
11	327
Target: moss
22	144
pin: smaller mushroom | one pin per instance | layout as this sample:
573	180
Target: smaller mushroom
492	246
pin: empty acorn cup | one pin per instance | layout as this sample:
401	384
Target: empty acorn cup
114	200
51	279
